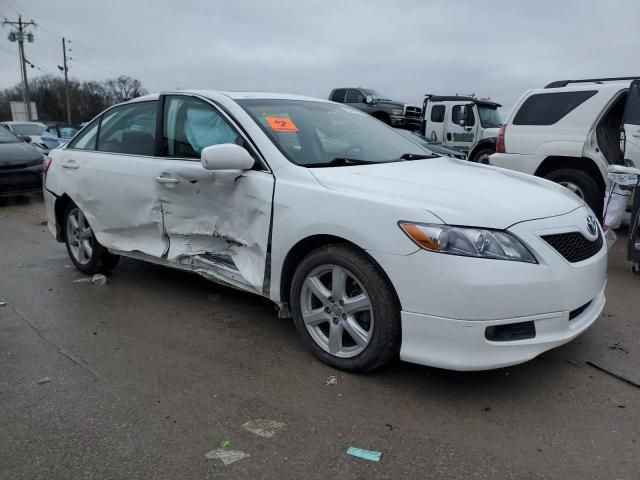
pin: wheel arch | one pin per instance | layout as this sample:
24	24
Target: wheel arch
584	164
306	246
481	145
60	207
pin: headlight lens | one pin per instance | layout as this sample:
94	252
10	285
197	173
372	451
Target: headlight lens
469	242
397	111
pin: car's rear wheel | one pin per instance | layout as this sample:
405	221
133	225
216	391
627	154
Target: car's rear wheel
482	156
345	310
85	251
582	184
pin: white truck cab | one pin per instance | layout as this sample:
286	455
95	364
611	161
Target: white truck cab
463	122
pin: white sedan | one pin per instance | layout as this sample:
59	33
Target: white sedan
375	247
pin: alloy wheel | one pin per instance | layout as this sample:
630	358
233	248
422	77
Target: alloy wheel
573	187
79	236
337	311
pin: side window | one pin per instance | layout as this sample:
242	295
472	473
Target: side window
338	95
548	108
190	124
86	140
437	113
354	96
129	128
632	109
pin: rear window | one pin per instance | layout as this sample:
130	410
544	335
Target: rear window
548	108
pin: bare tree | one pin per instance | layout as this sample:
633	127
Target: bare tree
87	98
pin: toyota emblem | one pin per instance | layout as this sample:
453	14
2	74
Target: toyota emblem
592	225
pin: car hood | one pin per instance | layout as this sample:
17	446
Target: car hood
457	191
388	103
17	154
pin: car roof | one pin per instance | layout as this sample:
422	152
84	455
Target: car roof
17	122
582	87
234	95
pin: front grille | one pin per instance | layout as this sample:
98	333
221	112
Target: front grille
412	112
574	246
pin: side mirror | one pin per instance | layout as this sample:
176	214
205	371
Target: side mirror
226	156
368	99
25	138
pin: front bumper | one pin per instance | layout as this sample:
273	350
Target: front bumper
448	301
405	122
462	345
17	181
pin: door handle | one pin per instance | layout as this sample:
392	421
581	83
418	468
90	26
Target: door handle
636	134
71	164
166	180
449	136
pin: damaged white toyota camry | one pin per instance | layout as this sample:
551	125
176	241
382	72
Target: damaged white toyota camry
375	247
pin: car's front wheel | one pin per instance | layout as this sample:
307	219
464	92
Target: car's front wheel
85	251
345	310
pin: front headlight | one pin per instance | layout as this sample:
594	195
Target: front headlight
397	111
469	242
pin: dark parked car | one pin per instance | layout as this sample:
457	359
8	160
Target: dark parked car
391	112
20	165
436	148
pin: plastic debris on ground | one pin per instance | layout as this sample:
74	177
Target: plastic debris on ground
225	443
99	279
364	454
82	280
44	380
332	380
263	428
227	457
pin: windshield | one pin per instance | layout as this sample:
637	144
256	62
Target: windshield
377	97
7	137
316	133
28	128
68	131
489	117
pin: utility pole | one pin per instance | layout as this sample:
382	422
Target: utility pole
66	80
20	35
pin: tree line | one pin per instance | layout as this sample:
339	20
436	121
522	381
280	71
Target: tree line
87	99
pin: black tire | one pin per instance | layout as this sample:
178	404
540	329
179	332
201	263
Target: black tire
477	156
635	270
384	344
100	260
591	192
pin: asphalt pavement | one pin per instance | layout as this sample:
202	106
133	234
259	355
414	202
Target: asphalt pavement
141	377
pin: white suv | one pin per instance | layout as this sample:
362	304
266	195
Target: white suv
571	130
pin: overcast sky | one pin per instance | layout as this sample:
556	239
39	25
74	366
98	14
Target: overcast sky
403	48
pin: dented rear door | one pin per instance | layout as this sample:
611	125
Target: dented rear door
215	223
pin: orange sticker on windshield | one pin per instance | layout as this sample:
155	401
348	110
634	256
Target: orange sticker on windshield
279	124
